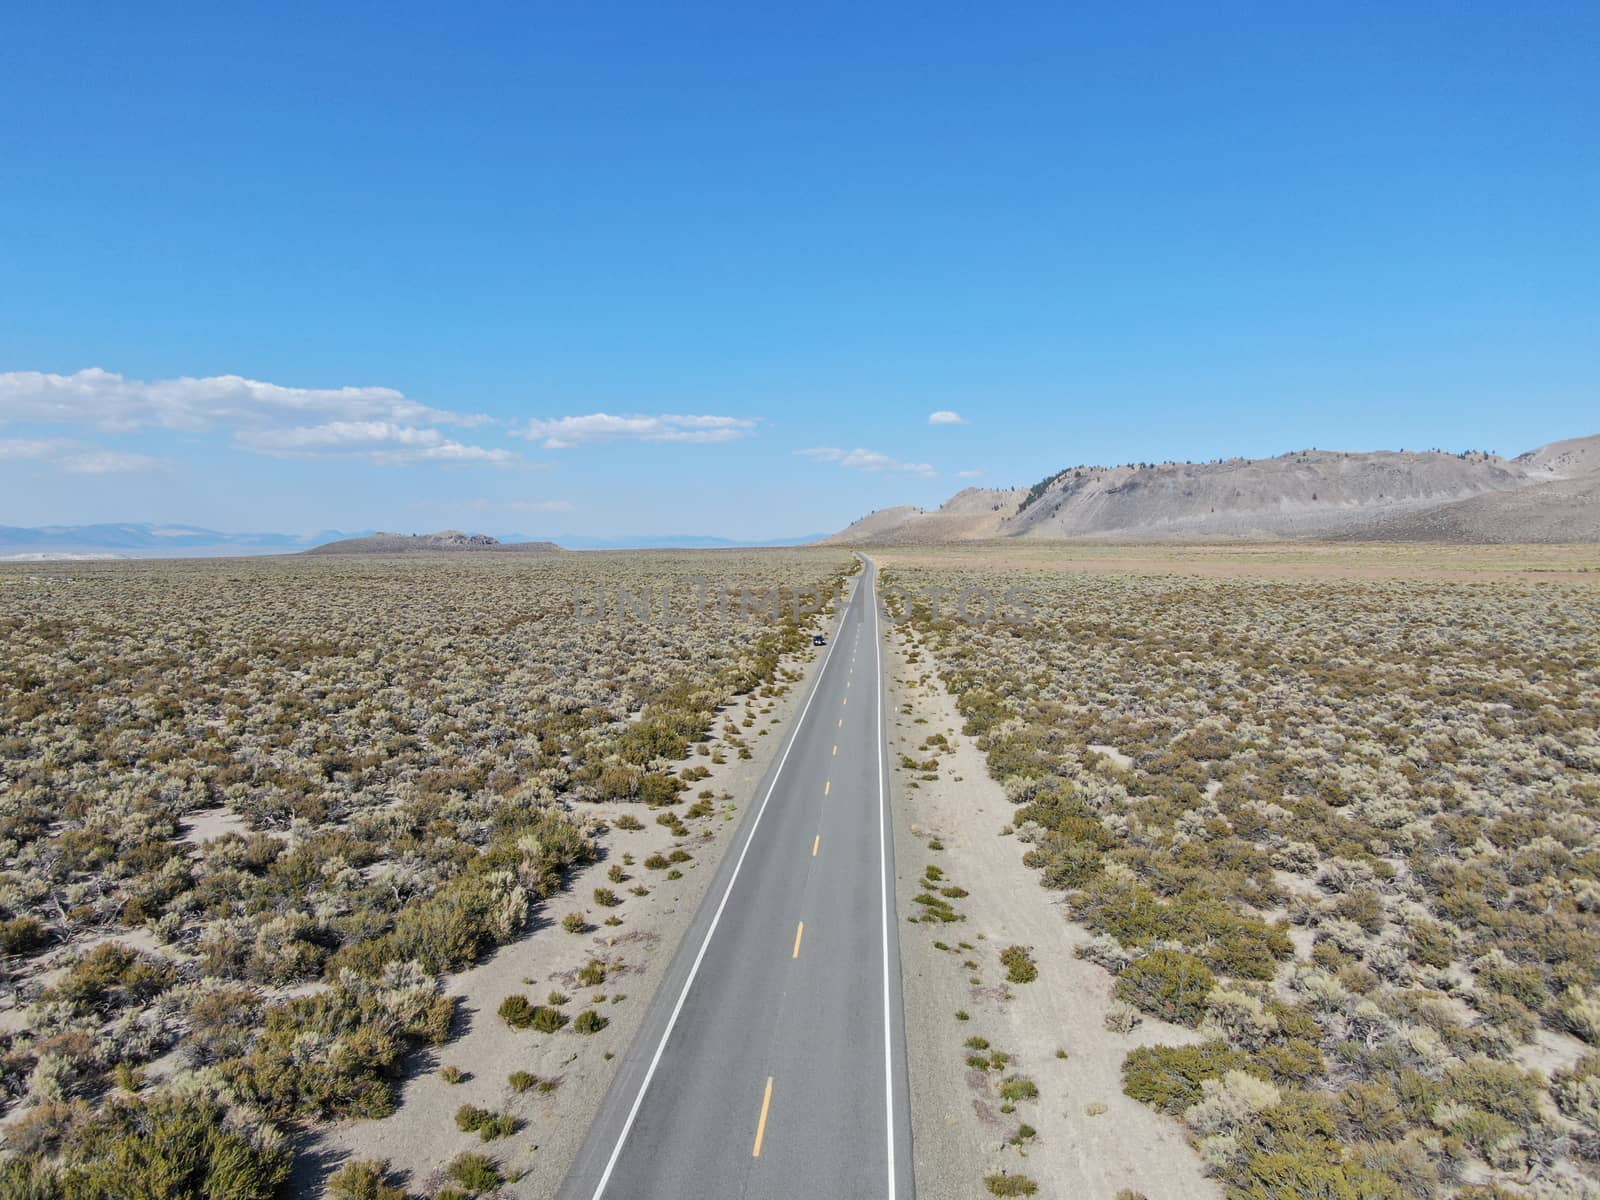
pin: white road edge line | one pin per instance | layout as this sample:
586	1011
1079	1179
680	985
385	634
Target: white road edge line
883	844
677	1008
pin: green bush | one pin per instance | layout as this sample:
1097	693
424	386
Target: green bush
328	1055
368	1180
517	1011
487	1125
23	935
165	1147
1003	1184
1019	1088
1169	984
1168	1078
1501	1088
1019	964
547	1019
589	1021
475	1172
656	790
110	977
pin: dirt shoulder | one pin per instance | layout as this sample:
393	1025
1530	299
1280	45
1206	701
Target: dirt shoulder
1089	1141
573	1070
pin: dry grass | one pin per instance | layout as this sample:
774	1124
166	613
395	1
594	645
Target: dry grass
1263	560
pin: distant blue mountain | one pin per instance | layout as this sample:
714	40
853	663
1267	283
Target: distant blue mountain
145	540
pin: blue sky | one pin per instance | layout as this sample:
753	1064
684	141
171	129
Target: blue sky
1098	236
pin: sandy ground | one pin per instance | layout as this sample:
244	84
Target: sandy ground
1091	1140
421	1136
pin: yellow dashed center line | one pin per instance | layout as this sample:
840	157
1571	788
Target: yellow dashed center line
799	933
816	845
761	1126
827	787
836	751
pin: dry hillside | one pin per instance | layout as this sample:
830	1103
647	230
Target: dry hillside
1547	495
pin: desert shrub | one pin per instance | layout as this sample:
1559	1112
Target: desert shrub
109	977
170	1145
1371	1112
589	1021
23	935
1121	1017
223	1021
592	973
487	1125
1004	1184
1227	1104
1578	1011
1168	984
547	1019
1018	1087
1170	1078
475	1172
364	1180
1501	1088
656	790
1019	964
327	1055
516	1011
1577	1091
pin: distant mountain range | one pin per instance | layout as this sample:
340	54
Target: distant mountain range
144	540
152	541
1551	494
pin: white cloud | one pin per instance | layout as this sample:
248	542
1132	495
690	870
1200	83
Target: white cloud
33	449
945	417
970	473
110	462
383	442
73	456
563	433
866	460
109	402
375	424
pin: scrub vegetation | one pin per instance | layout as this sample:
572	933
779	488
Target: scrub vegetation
1346	831
254	813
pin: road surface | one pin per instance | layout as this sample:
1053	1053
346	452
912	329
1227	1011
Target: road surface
771	1063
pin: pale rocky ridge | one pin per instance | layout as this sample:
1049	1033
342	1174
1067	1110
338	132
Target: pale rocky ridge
1551	494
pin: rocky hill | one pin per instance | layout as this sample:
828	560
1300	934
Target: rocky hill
447	541
1551	494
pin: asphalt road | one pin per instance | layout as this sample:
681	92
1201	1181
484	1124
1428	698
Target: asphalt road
771	1062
